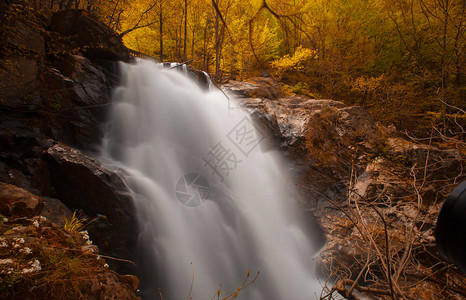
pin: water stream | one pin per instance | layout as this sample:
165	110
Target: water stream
208	198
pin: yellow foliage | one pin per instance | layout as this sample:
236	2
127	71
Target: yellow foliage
74	224
296	61
367	85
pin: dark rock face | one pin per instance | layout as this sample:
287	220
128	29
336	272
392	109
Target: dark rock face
75	101
56	211
21	55
19	84
82	182
47	98
60	96
97	40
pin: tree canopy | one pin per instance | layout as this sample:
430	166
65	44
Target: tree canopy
389	55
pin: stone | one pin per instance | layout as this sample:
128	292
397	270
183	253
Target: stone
16	202
55	211
240	89
13	177
314	104
440	162
75	102
358	120
82	182
96	39
90	82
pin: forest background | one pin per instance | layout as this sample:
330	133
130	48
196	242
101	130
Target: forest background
403	60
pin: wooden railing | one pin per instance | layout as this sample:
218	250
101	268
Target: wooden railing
135	53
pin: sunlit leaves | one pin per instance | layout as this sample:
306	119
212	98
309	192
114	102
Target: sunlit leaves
296	61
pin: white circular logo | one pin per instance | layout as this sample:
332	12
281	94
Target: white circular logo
192	189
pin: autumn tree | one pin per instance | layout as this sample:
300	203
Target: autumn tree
381	54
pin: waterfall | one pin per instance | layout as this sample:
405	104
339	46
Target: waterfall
210	201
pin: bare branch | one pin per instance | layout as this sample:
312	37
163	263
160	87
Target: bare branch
137	26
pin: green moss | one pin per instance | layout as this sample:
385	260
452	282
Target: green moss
57	101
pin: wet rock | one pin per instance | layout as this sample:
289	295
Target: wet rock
267	125
259	87
252	103
241	89
267	122
96	38
75	101
90	81
14	177
16	137
83	183
16	202
19	156
315	134
56	211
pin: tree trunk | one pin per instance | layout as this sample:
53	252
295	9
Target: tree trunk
161	32
192	42
443	65
217	49
185	28
205	46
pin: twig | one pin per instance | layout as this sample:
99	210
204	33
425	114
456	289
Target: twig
340	286
360	273
101	255
243	286
188	297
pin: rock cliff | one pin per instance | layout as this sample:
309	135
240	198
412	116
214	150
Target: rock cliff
56	76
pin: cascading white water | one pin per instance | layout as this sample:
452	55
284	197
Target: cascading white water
205	192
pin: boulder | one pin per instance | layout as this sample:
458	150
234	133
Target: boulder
313	104
93	37
16	202
81	182
55	211
240	89
75	101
